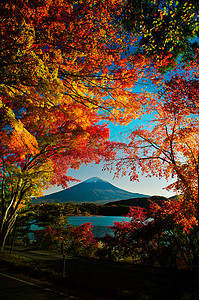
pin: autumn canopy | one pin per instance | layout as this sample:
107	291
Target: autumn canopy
62	71
67	67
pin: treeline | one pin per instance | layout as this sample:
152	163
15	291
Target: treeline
115	208
84	209
103	210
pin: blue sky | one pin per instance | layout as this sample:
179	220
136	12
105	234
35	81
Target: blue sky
148	186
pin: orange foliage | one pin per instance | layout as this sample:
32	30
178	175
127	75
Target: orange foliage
169	147
62	72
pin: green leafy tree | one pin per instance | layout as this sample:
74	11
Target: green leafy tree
167	30
54	215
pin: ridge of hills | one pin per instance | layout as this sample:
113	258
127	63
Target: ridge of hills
132	201
92	190
138	201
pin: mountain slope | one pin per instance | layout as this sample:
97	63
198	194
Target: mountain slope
94	190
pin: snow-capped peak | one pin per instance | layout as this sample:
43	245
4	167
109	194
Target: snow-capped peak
94	180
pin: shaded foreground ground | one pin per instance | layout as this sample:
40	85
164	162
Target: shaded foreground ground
13	288
93	279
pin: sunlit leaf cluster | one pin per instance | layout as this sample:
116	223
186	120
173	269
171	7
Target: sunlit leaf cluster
166	29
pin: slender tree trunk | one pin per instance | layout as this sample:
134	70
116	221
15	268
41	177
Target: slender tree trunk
13	236
5	230
3	236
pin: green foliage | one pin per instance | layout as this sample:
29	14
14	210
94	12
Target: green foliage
52	214
89	208
165	29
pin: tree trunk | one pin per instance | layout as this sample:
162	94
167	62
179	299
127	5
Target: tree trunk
5	230
3	236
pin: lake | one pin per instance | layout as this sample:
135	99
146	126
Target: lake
100	223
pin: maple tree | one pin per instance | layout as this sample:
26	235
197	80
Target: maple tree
82	240
62	72
169	148
46	57
66	145
153	237
75	240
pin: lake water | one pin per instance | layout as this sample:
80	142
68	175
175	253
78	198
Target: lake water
100	223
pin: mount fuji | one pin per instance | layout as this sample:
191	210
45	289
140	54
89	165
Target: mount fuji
94	190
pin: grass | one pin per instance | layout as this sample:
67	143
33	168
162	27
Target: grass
14	258
22	265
